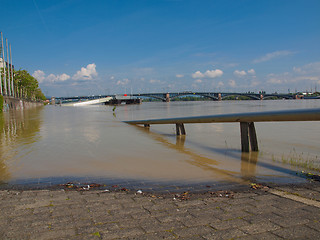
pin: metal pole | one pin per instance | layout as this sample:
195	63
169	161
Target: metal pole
12	87
8	69
4	70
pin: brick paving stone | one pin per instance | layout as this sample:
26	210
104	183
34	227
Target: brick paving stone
300	213
132	211
154	236
233	215
199	221
314	224
310	209
54	234
141	214
261	236
94	236
210	212
252	214
189	203
259	227
192	231
122	233
289	221
161	206
288	205
297	232
262	209
230	234
243	201
91	229
151	227
227	224
246	195
191	238
137	223
176	216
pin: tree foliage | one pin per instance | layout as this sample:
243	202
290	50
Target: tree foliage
26	86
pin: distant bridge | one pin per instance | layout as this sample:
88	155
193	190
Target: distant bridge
215	96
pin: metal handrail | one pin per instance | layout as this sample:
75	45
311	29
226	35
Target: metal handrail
247	128
312	114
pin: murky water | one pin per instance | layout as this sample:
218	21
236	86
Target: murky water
92	141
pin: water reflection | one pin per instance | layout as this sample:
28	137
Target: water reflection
248	165
248	162
18	130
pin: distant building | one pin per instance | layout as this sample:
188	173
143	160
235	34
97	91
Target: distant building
1	64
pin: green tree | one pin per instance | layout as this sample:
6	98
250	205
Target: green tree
27	86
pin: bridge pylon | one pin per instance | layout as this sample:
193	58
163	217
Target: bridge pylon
167	97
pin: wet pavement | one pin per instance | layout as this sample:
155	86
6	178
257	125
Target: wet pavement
94	212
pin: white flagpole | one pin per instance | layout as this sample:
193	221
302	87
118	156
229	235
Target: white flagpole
12	87
1	49
4	69
8	69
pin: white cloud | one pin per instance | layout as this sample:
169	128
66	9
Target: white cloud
58	78
112	78
179	75
197	74
232	83
123	82
301	76
310	68
239	73
208	73
252	72
86	73
198	81
39	75
213	73
272	55
63	77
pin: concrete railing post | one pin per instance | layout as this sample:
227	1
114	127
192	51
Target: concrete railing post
180	129
248	133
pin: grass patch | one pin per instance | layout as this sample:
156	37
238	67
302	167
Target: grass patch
96	234
299	160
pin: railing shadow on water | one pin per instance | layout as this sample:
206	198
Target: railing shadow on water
247	158
249	161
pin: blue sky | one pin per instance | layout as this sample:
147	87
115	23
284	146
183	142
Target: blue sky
76	47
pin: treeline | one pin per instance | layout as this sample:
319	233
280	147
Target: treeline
25	86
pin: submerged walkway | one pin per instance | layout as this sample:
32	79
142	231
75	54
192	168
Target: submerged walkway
286	212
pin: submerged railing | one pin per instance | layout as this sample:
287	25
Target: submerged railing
247	129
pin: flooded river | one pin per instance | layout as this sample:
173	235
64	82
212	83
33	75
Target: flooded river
92	142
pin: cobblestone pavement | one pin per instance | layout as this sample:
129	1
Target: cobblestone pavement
287	212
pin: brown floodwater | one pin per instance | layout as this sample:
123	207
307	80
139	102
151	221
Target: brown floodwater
58	142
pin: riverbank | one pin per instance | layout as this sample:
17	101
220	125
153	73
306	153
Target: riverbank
257	212
11	103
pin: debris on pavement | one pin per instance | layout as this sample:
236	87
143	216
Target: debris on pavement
259	186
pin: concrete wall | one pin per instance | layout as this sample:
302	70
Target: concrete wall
18	104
